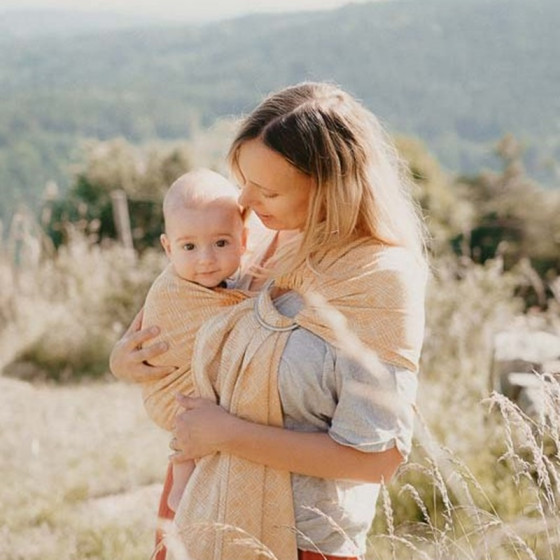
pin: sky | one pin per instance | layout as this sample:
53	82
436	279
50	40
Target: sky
184	10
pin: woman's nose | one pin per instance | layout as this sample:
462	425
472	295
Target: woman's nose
245	197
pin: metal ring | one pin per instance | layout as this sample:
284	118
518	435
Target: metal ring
261	321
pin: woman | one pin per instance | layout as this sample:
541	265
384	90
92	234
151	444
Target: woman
317	169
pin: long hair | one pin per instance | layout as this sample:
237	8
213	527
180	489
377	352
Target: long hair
362	186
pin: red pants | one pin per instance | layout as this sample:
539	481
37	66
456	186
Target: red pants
308	555
165	513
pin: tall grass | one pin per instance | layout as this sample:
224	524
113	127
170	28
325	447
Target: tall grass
465	514
81	466
80	463
62	313
482	481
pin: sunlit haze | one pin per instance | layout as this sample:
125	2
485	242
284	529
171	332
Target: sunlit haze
180	9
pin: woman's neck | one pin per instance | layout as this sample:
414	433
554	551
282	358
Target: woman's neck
281	238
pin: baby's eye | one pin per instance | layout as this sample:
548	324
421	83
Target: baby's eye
188	246
222	243
271	195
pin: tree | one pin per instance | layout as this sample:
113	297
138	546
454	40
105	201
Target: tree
515	219
447	214
143	174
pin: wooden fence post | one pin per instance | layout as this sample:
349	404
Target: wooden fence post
121	217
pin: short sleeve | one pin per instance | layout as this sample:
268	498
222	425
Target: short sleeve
322	389
375	408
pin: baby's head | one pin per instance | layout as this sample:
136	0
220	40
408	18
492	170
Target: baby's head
205	234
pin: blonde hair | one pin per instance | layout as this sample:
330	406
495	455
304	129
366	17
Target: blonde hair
362	186
199	188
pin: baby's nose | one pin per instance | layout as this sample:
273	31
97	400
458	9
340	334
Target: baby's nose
207	255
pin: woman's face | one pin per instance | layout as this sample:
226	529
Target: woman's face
273	188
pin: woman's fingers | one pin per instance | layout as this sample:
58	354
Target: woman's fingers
200	427
177	457
136	323
135	339
126	365
192	403
146	353
145	371
135	336
187	403
130	357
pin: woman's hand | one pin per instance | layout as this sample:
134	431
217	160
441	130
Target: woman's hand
205	428
200	429
129	356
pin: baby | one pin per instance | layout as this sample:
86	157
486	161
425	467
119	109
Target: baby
205	234
205	238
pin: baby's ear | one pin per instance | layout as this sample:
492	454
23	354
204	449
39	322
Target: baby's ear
164	240
244	235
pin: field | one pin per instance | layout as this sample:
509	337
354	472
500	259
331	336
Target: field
81	470
81	465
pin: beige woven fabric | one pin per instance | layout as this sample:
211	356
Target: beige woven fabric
380	291
179	308
233	508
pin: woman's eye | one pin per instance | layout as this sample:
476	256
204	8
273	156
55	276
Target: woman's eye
272	195
188	246
222	243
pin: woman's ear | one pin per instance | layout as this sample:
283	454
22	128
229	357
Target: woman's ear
164	240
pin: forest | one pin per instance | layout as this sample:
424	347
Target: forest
100	111
458	75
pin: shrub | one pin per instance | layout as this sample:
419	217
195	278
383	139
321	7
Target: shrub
66	312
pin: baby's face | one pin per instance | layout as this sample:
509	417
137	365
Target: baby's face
205	244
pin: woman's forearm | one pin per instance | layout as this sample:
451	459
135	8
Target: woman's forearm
313	454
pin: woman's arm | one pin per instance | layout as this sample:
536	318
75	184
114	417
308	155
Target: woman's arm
129	357
205	428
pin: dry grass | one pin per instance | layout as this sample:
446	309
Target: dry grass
483	480
81	470
81	465
60	314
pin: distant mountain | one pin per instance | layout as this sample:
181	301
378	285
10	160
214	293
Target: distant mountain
33	24
459	75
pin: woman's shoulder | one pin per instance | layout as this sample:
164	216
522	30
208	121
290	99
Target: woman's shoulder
370	255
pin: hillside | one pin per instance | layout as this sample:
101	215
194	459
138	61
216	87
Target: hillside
26	24
459	75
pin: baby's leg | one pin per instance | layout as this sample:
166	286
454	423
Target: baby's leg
181	474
